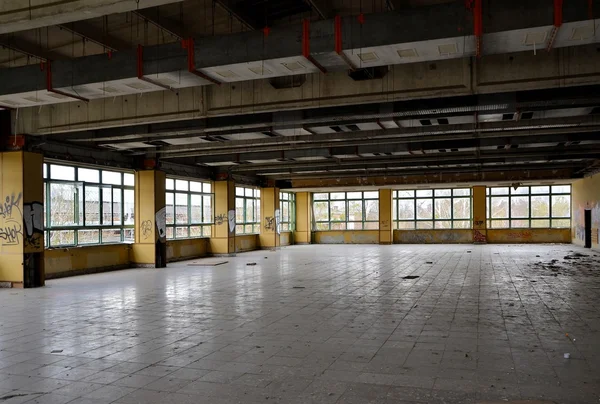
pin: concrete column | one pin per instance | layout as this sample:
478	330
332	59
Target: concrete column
150	248
21	219
269	212
386	232
479	214
223	239
302	235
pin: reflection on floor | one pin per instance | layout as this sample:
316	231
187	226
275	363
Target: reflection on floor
314	324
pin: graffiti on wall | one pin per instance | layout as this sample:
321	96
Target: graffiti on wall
479	237
18	226
270	223
146	229
220	219
520	235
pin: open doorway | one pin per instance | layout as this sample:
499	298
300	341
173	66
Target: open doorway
588	228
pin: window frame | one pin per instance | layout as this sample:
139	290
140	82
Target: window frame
454	196
318	225
290	224
255	222
511	192
127	231
205	227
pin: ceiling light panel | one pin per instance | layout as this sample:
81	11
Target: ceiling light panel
578	33
263	68
535	38
368	57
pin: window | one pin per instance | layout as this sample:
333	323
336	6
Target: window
346	210
87	206
529	207
432	209
189	208
247	210
287	209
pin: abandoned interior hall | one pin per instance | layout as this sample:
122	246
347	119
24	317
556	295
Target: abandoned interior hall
299	201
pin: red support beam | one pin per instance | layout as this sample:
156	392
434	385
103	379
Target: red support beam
338	41
140	69
478	25
48	67
188	44
558	21
306	46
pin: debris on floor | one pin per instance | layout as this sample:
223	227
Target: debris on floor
298	287
429	262
410	277
251	263
207	262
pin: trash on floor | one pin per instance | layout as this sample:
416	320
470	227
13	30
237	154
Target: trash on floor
251	263
207	262
410	277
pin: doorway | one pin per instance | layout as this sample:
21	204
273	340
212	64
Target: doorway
588	228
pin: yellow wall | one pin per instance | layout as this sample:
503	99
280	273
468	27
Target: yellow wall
11	219
178	250
149	199
386	235
433	236
269	203
302	235
514	236
246	242
586	195
286	238
347	237
80	260
223	240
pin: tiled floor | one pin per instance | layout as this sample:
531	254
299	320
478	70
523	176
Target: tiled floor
314	324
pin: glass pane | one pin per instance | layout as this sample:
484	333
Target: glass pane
248	229
181	232
561	223
129	235
206	231
195	231
461	224
111	235
461	192
317	197
406	225
117	206
337	195
372	210
443	224
372	195
442	192
354	226
207	215
499	224
63	198
92	207
248	192
322	226
338	226
540	206
170	207
424	208
62	237
517	224
91	236
195	186
45	170
424	192
560	189
355	211
354	195
181	185
256	228
425	225
128	179
519	206
206	187
196	208
181	209
394	210
371	225
257	193
249	217
87	175
337	211
112	178
239	191
285	227
499	207
499	191
462	208
129	206
170	184
406	194
239	229
561	206
239	210
519	191
540	223
257	213
321	211
62	172
540	190
406	209
443	209
285	212
107	206
170	233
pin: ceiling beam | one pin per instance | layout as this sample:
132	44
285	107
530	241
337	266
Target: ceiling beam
28	48
322	7
88	32
237	13
174	28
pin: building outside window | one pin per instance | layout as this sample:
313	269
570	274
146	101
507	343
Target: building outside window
529	207
287	208
346	210
189	206
247	210
85	205
432	209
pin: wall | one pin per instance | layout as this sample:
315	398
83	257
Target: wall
179	250
586	195
433	236
246	242
285	238
62	262
346	237
514	236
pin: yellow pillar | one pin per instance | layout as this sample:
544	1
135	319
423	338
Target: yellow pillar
223	234
21	219
386	232
479	214
302	235
269	211
150	248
